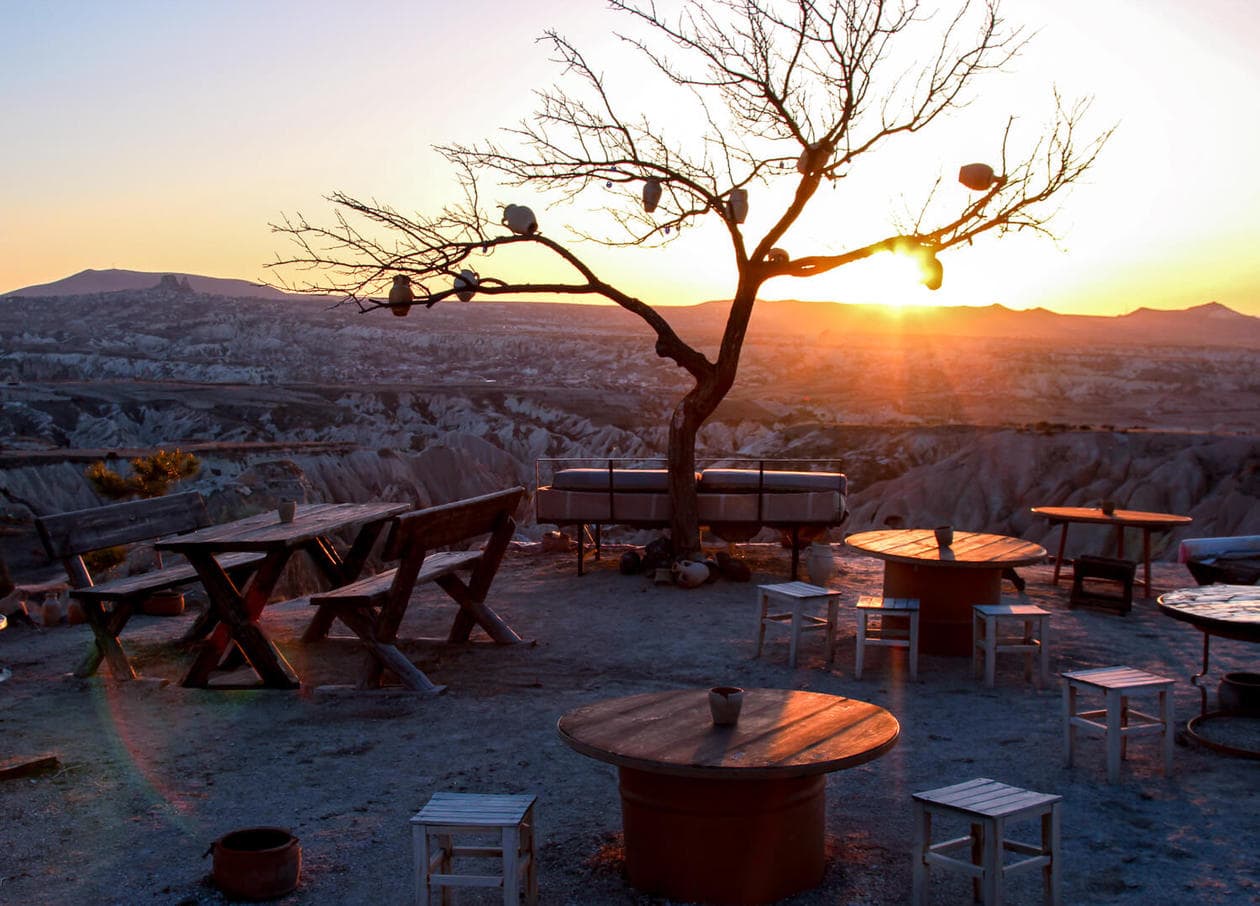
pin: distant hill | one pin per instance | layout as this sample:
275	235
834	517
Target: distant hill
113	280
1211	324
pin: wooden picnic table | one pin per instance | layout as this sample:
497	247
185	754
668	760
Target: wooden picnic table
727	814
948	581
238	610
1120	519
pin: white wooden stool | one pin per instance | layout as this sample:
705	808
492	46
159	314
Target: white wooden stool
1117	724
884	635
510	817
987	641
797	596
988	806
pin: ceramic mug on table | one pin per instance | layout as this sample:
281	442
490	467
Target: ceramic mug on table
944	535
286	510
724	704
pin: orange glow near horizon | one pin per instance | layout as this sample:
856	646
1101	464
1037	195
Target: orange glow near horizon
187	165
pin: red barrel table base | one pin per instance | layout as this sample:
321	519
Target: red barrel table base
723	841
946	595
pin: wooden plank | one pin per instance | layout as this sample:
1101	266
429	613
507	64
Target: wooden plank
16	768
142	584
81	531
265	532
969	550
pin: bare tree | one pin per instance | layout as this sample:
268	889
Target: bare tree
785	89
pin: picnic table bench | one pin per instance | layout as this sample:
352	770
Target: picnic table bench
108	605
373	607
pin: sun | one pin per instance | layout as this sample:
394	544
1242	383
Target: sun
890	279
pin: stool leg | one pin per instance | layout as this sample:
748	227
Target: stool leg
914	645
762	603
1028	651
920	871
992	877
1050	844
511	865
796	631
1166	711
833	617
976	628
977	858
445	841
861	645
1043	653
1114	735
1124	724
1069	728
990	651
420	855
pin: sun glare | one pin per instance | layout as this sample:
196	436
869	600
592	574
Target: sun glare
887	278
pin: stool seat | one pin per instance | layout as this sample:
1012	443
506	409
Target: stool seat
1116	721
797	596
448	814
987	640
988	806
885	634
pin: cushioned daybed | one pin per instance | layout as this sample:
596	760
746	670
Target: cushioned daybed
735	503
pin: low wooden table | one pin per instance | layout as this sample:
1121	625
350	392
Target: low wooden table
948	581
1121	519
727	814
1227	611
238	611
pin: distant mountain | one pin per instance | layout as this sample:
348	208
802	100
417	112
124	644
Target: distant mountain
113	280
1212	324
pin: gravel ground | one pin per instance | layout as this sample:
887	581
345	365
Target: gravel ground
151	773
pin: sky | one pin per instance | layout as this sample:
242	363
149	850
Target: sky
167	136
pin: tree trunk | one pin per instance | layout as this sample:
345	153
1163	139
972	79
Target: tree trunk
685	523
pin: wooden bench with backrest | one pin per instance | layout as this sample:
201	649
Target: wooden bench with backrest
374	607
109	605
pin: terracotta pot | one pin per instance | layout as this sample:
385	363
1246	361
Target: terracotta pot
164	604
50	611
257	863
820	563
74	613
1240	693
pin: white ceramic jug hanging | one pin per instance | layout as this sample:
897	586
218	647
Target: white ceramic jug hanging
400	295
820	563
737	205
520	220
466	285
651	195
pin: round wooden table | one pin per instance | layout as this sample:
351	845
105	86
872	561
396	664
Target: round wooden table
1121	519
1228	611
727	814
948	581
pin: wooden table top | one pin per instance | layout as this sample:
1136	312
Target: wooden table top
780	733
1135	518
1231	611
974	550
265	531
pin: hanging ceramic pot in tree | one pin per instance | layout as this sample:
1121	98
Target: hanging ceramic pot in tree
777	256
737	205
520	220
977	177
466	285
651	194
933	272
401	296
813	158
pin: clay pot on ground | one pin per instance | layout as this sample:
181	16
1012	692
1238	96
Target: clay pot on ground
820	563
1239	693
50	611
163	604
74	613
257	863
